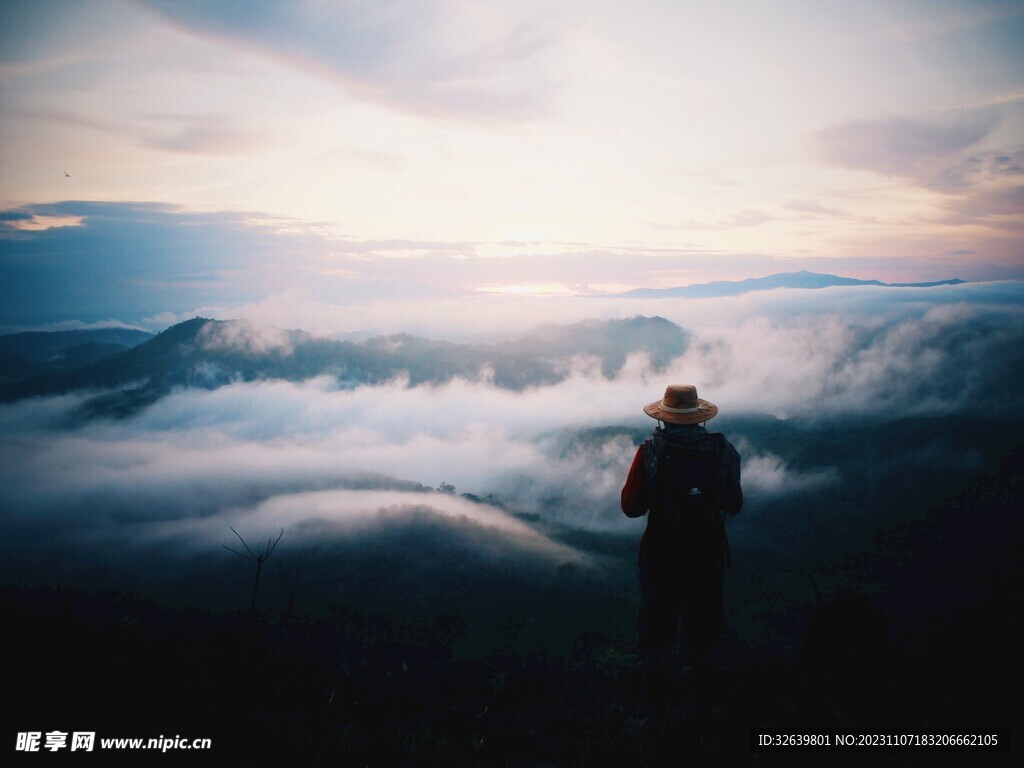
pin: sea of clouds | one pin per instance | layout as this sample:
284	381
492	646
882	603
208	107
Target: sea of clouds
267	455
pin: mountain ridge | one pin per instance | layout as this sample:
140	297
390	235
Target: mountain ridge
41	352
802	279
205	354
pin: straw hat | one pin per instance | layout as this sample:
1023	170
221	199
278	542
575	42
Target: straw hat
680	405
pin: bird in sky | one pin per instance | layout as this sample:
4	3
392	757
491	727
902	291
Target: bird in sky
67	175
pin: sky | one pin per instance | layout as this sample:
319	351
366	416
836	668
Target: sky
464	170
161	159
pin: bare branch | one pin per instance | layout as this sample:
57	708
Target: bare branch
243	542
274	546
260	559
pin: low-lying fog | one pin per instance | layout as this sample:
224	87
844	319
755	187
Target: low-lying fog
322	461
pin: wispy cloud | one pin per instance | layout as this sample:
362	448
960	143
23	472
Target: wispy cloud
900	146
444	61
952	156
246	338
210	137
979	168
767	475
952	18
815	209
1005	201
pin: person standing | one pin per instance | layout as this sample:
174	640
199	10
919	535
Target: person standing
686	480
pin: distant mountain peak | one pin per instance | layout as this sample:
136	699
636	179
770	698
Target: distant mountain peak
187	330
803	278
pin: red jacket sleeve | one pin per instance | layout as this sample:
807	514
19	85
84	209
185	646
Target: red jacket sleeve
635	498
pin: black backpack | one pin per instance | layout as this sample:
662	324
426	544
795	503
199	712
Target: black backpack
687	493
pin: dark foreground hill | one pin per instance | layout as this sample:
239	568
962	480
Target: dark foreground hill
883	601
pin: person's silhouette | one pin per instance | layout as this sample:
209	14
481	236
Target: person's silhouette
688	479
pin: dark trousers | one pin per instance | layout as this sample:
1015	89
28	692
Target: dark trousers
689	590
686	592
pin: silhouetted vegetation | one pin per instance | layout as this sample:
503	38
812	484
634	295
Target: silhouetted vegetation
258	557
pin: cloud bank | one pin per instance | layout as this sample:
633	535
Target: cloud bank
324	460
